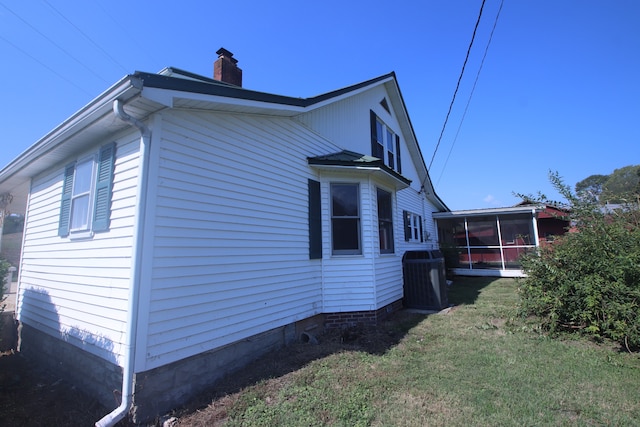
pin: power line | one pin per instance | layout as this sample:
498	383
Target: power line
71	82
115	61
53	43
495	23
457	85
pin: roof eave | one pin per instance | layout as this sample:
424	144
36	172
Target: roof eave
34	159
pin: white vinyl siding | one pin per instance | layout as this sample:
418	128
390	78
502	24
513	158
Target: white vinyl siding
230	256
78	290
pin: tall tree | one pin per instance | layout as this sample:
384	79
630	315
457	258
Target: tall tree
620	185
591	186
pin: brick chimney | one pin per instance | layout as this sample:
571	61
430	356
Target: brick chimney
225	69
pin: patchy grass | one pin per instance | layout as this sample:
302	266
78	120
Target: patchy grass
475	365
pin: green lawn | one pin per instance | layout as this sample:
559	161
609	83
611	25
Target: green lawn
477	365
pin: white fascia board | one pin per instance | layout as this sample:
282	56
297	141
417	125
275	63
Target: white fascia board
171	97
488	211
346	95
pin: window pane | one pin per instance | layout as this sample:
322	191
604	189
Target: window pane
385	222
390	140
386	237
379	132
384	205
516	230
82	179
451	232
483	231
80	213
346	234
484	258
345	221
512	257
344	198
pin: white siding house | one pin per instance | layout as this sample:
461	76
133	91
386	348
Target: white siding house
184	224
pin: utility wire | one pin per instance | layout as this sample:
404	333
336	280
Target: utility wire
53	43
115	61
71	82
126	32
472	90
457	86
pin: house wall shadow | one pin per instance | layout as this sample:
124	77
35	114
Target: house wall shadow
68	352
375	340
465	290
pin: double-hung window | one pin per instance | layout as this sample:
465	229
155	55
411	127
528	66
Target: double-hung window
413	227
385	221
81	195
345	219
86	194
385	144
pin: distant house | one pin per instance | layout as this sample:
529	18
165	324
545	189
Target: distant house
489	242
178	226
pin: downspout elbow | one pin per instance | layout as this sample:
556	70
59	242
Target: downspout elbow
118	109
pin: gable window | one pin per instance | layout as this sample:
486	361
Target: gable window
385	144
413	227
86	194
385	221
345	219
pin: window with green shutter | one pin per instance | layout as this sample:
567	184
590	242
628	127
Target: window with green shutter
85	207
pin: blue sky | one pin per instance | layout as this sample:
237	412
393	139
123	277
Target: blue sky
559	89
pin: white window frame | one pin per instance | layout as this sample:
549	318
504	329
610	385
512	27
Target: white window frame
357	218
414	227
387	139
389	222
84	230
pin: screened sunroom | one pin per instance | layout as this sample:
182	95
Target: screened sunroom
490	242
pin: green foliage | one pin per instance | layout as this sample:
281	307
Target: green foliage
613	188
588	280
4	269
620	184
591	186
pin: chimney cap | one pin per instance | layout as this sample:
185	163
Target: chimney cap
224	53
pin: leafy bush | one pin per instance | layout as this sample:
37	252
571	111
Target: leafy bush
589	279
4	269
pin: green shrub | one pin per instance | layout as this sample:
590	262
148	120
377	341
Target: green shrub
588	280
4	269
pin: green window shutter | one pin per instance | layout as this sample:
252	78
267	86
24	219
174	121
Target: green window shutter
315	220
421	233
104	184
398	163
376	149
65	204
407	225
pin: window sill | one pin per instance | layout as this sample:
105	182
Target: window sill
81	235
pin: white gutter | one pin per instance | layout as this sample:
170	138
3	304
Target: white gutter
134	285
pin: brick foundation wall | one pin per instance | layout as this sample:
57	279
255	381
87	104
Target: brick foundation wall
366	318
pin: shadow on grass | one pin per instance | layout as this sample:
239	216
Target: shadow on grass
465	289
277	365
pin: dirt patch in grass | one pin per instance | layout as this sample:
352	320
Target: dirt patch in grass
30	396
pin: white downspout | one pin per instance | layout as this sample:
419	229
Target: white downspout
134	284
